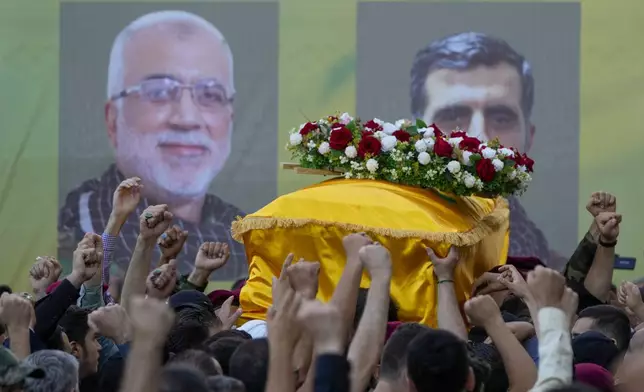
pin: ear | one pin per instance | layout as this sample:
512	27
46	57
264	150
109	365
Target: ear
529	137
76	350
470	384
111	114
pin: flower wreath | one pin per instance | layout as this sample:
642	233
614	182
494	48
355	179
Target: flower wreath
413	154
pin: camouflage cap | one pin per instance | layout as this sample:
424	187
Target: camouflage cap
13	372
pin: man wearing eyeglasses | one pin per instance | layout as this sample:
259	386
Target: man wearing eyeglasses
169	118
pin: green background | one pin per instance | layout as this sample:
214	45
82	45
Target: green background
317	77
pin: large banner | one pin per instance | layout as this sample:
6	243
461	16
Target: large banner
195	98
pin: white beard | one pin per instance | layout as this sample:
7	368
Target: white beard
182	177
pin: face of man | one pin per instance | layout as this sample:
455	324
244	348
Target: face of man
175	143
87	353
484	101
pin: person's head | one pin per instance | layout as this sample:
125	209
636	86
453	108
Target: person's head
249	364
192	326
15	374
477	83
182	378
169	113
437	360
59	341
82	339
223	349
200	360
229	333
394	353
607	320
225	384
61	372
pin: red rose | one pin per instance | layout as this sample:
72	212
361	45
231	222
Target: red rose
401	135
372	125
437	131
442	148
528	163
367	133
308	128
340	138
470	144
462	134
369	145
485	170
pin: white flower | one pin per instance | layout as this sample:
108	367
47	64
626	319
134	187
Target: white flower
388	143
389	128
512	175
429	142
488	153
498	164
506	151
378	121
400	123
295	139
311	144
454	141
424	158
466	158
379	135
469	180
422	130
454	167
522	169
351	152
324	148
345	118
372	165
421	146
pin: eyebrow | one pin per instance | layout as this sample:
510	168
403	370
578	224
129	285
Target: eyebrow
160	76
451	110
501	109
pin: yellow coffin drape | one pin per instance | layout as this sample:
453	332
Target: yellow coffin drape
311	223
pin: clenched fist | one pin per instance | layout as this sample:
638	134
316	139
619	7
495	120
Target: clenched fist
601	202
547	287
112	322
162	281
376	259
483	311
303	276
15	311
353	243
151	320
608	224
154	221
212	256
171	242
45	271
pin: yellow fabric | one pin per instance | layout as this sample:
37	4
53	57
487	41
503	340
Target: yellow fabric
311	223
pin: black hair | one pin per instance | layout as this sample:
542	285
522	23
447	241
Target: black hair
182	378
610	321
437	360
191	328
225	384
392	313
394	353
223	349
198	359
465	51
55	341
74	323
229	333
249	364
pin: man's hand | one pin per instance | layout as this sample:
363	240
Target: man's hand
226	315
511	278
353	243
87	260
601	202
212	256
303	276
569	303
15	311
324	323
171	242
547	287
151	320
45	271
162	281
482	311
376	259
282	327
112	322
93	241
126	197
608	224
154	221
444	267
282	283
628	294
487	283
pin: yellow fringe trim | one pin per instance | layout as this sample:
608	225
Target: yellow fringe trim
487	225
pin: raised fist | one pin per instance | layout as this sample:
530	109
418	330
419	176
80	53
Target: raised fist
154	221
151	320
45	271
303	276
126	197
162	281
212	256
171	242
112	322
483	311
601	202
15	311
444	267
376	259
608	224
353	243
547	287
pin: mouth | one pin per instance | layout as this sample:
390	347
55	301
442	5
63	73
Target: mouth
183	150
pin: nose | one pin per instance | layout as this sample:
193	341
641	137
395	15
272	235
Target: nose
186	116
477	126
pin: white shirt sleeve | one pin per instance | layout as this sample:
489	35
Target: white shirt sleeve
555	350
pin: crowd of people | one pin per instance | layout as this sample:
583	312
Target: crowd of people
525	328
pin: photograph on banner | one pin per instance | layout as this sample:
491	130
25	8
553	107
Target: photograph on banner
497	70
182	96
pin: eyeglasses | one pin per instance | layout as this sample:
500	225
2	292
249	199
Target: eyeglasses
207	93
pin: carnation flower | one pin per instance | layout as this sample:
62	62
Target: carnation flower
351	152
421	146
466	158
389	128
498	164
388	143
295	139
506	151
372	165
454	167
308	128
488	152
430	142
401	135
324	148
424	158
345	118
469	180
372	125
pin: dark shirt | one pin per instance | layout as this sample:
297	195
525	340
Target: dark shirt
88	207
331	373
